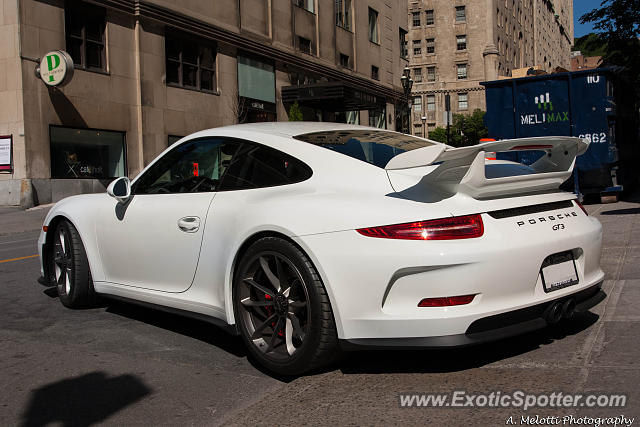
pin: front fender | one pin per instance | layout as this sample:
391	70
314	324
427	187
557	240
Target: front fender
81	211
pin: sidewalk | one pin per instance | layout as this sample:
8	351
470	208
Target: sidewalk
17	220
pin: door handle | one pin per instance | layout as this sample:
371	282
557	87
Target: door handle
189	224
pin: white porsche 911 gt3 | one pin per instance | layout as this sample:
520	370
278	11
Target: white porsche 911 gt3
304	238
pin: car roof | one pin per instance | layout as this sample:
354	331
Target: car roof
291	129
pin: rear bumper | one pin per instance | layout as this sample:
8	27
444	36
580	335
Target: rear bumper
486	329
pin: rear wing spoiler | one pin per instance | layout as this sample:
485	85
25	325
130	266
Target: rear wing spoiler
462	170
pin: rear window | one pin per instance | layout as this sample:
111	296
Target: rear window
371	146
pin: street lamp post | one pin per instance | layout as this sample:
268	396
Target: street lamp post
407	84
424	128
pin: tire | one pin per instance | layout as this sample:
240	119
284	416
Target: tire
287	329
70	268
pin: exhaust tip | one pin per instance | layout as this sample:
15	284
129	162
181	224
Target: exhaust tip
554	313
568	308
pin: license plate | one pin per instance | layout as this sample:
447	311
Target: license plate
559	271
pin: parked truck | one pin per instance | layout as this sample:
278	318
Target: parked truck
591	104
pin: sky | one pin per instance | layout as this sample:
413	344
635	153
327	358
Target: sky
580	7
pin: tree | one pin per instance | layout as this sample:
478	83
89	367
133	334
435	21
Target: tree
618	22
466	129
438	134
591	44
295	113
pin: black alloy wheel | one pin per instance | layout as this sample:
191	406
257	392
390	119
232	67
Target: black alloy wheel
282	309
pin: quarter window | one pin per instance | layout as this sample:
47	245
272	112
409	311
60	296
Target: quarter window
190	62
258	166
84	27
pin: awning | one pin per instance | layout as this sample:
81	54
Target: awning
332	96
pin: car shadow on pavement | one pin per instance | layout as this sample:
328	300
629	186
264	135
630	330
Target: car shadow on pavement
82	400
193	328
459	359
628	211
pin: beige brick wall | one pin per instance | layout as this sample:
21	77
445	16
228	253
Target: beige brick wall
523	33
11	90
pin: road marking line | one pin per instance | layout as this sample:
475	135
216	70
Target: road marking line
17	241
18	259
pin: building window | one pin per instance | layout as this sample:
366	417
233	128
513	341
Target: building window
344	60
190	62
463	101
404	49
171	139
461	42
308	5
87	153
375	73
460	14
256	89
431	46
429	18
416	18
431	102
462	71
431	127
431	74
84	26
343	14
417	47
304	45
378	118
417	130
417	75
417	103
373	26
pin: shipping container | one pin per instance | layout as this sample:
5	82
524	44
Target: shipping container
590	104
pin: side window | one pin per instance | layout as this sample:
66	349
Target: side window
257	166
193	167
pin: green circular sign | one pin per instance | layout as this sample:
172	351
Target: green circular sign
56	68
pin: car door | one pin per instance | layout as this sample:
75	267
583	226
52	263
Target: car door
153	241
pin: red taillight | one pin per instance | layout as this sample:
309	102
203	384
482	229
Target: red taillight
460	227
582	207
446	301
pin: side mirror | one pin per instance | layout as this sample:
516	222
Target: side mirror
120	189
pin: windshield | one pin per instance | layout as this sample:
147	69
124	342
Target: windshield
371	146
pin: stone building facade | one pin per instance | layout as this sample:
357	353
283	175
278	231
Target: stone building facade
149	72
454	45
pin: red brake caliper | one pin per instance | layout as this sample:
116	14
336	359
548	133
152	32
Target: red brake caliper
270	309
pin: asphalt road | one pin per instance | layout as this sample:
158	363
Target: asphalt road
124	365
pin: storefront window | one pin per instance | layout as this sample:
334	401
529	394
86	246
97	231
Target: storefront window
87	153
377	118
